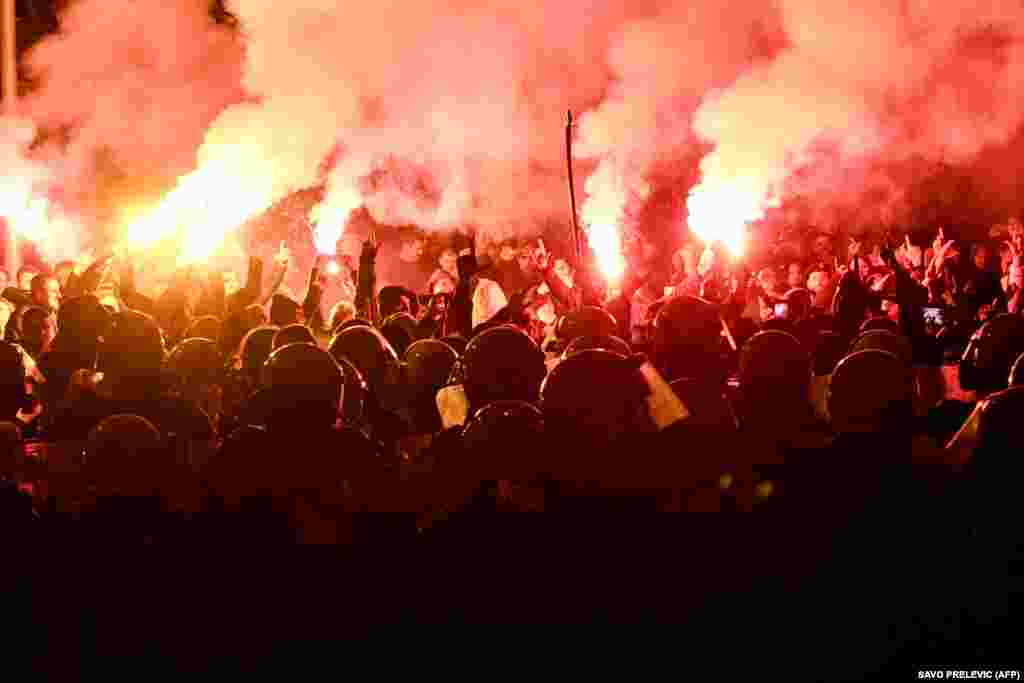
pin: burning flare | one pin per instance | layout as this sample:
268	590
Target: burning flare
202	209
602	213
721	209
330	216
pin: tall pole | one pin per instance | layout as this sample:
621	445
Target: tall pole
9	75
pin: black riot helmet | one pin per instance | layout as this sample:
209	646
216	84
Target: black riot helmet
305	384
502	363
989	357
601	341
588	320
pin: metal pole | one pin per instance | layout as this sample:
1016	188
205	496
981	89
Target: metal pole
8	19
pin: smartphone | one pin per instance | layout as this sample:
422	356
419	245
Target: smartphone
933	315
781	310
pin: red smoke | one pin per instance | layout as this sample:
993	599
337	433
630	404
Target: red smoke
451	114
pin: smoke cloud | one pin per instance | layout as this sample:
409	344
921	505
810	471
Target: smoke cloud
450	116
858	93
128	90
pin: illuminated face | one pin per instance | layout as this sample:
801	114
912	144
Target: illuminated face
48	294
447	260
508	253
25	282
817	281
231	284
767	279
563	271
823	247
546	314
412	250
981	258
443	285
525	258
796	276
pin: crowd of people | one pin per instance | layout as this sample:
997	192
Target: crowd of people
268	470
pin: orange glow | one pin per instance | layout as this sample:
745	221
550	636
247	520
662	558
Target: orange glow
602	212
200	211
330	216
333	268
607	245
721	212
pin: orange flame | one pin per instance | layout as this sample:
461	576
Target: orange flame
721	210
330	216
205	206
602	212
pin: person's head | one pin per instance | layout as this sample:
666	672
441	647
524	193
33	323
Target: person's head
45	291
883	339
508	252
284	311
231	283
122	457
822	248
525	257
255	348
412	247
768	279
981	255
292	334
133	350
502	363
775	372
505	441
799	303
574	410
795	275
195	367
864	268
587	321
6	311
304	384
872	392
396	300
5	279
370	352
81	321
818	280
689	257
25	276
1005	258
687	340
13	396
62	271
428	363
441	283
204	327
986	364
400	329
448	261
342	312
33	322
563	270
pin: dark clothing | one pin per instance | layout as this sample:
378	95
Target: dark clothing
73	420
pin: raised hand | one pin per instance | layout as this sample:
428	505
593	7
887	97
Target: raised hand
541	257
940	240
